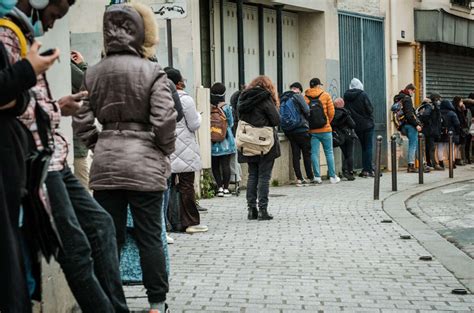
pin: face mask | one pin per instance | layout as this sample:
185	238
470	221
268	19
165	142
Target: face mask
6	6
38	30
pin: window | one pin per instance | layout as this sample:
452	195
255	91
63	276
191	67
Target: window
463	3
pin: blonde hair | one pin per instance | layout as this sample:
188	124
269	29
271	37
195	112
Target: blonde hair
150	28
266	83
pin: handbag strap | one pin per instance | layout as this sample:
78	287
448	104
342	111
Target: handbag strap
19	34
43	124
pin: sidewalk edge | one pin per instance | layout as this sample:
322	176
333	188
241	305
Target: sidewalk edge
452	258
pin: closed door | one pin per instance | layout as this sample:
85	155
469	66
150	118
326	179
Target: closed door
362	56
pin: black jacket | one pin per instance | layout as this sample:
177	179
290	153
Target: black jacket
362	111
342	119
408	109
430	117
450	121
257	108
15	80
234	100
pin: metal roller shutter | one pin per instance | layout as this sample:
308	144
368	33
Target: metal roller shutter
449	71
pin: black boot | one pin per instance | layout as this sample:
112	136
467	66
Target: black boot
263	215
253	214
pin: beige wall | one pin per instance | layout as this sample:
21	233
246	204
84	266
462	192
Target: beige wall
406	61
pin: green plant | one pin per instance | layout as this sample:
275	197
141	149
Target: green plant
275	183
207	185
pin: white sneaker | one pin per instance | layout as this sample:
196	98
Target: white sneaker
299	183
227	193
335	180
169	239
220	192
317	181
197	229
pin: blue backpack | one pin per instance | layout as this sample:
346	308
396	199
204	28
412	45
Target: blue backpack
290	116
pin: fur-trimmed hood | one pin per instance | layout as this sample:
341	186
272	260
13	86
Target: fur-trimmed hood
130	28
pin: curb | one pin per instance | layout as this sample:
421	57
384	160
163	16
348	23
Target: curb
453	259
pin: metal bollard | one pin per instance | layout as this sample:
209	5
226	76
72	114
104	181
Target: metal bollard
393	148
420	159
451	155
378	157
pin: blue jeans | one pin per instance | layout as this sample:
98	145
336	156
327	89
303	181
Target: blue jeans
326	140
366	138
412	135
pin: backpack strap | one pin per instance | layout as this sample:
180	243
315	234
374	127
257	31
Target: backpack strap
21	37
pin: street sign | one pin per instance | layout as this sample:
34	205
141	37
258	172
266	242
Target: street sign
170	10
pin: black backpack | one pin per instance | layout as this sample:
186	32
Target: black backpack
317	118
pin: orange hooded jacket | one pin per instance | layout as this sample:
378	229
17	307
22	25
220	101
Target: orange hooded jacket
327	105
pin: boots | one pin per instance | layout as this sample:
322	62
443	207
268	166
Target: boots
411	168
263	215
253	214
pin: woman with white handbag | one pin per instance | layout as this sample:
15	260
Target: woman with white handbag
257	142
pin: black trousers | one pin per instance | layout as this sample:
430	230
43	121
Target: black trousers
89	258
258	185
430	148
468	147
221	170
147	213
301	144
14	146
347	149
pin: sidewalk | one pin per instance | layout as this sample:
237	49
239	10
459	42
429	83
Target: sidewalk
326	250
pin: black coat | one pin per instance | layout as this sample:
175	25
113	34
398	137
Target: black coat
15	144
408	109
15	80
362	111
430	118
451	121
257	108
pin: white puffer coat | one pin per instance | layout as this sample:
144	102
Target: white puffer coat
186	157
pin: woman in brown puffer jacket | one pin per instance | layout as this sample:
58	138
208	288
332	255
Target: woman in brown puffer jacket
130	96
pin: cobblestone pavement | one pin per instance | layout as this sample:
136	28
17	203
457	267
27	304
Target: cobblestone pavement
326	250
450	211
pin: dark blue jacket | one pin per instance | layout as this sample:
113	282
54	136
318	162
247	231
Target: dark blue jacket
450	121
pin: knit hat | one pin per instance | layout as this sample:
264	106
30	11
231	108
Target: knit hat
356	84
339	103
174	75
218	93
297	85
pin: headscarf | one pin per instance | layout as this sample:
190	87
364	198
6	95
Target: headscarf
6	6
356	84
339	103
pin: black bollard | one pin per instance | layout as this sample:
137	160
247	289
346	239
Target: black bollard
378	158
451	156
420	158
393	148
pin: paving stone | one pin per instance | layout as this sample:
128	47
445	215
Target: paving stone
325	251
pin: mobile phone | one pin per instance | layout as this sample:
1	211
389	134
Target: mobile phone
47	52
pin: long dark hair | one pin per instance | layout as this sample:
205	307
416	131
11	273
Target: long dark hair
457	102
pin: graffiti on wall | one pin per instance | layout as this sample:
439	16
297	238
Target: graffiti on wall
333	89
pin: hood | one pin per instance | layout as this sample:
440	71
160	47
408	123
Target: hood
250	98
130	28
286	95
447	106
356	84
352	94
313	92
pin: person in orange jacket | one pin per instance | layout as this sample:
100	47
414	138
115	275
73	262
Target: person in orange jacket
321	116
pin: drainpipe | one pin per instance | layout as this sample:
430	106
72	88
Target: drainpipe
393	45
